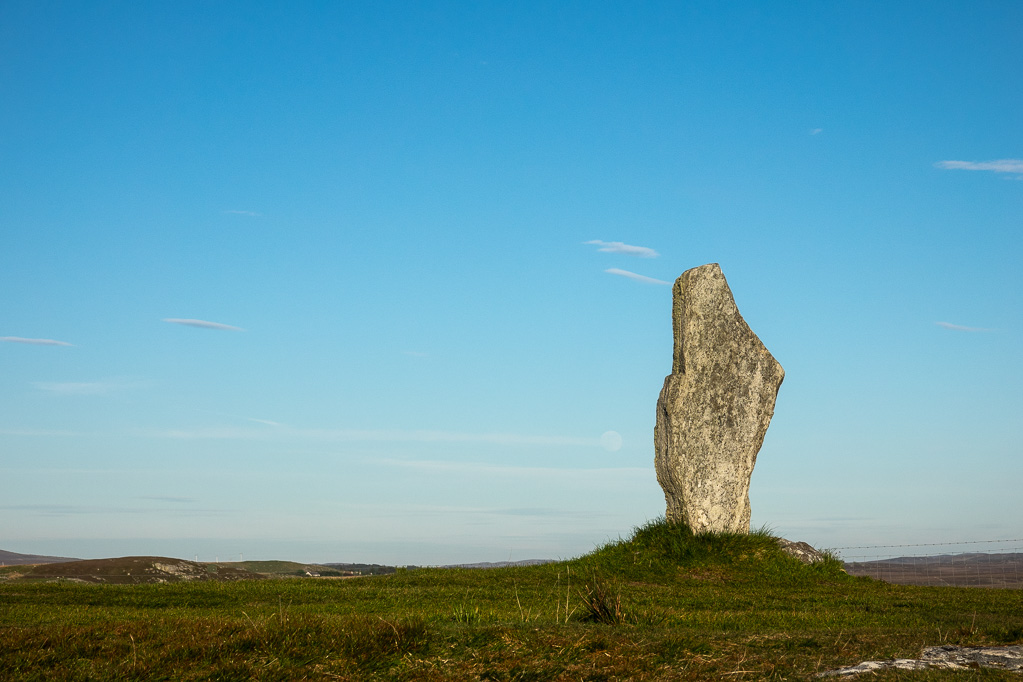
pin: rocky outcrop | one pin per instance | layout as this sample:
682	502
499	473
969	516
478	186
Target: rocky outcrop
714	408
801	550
943	658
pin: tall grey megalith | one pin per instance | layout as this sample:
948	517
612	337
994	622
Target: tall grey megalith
714	408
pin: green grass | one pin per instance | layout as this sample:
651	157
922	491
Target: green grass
674	605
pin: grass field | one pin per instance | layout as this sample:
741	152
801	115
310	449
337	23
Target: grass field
662	605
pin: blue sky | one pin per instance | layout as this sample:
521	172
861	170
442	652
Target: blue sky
353	281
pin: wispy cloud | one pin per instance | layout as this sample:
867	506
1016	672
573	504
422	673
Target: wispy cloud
535	511
203	324
264	421
86	387
627	249
74	387
43	433
633	275
816	131
503	470
961	328
79	509
402	509
34	342
251	214
209	433
166	498
998	166
65	509
367	435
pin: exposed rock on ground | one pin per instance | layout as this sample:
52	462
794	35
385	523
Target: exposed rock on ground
944	658
801	550
714	408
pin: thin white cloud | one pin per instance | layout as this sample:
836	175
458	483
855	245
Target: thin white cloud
45	433
382	436
78	509
251	214
211	433
399	509
961	328
74	388
998	166
816	131
633	275
264	421
627	249
203	324
87	387
565	479
502	470
34	342
166	498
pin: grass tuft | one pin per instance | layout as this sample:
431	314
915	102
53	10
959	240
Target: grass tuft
602	600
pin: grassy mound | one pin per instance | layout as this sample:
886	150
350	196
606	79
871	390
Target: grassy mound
661	552
623	581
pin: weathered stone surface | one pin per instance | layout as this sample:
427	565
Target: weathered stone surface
943	658
801	550
714	408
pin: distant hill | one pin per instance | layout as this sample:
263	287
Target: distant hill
137	569
15	559
959	570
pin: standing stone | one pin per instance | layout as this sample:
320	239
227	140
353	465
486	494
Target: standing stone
714	408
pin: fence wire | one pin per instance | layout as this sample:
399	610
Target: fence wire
978	563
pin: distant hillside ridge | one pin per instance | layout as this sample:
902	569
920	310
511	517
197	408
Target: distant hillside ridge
973	569
15	559
137	569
